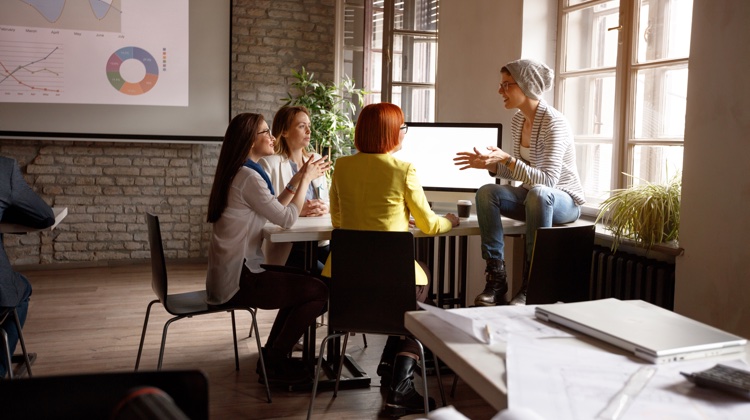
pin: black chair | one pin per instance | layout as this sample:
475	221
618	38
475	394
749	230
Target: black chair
103	395
185	305
5	313
560	268
372	285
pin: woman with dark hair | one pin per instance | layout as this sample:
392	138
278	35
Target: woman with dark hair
242	201
372	190
291	128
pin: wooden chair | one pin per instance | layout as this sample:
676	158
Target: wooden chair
560	268
5	313
372	285
185	305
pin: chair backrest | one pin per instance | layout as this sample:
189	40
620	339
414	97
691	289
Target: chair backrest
372	281
561	265
158	266
96	395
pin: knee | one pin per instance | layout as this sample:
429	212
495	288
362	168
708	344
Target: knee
539	197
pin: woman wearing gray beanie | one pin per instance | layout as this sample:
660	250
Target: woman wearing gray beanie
543	159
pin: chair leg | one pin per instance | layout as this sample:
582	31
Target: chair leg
164	340
424	377
439	379
317	372
453	387
6	350
254	326
143	334
23	343
342	356
234	337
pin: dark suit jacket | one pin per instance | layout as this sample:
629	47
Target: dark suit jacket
18	204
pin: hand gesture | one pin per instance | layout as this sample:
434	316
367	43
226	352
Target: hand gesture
314	169
479	160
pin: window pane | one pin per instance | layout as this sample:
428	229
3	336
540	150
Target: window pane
664	29
418	103
414	59
377	30
588	103
416	15
656	164
588	42
594	161
660	101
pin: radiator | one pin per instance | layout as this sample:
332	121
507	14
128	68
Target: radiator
627	276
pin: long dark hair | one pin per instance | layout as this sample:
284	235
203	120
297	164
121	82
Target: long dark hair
239	138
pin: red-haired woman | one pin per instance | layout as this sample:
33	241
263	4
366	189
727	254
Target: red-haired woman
393	194
242	201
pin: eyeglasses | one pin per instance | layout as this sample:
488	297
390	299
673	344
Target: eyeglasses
405	128
504	85
266	132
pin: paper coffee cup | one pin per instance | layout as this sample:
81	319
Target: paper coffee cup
464	208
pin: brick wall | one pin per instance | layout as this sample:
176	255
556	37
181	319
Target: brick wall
108	186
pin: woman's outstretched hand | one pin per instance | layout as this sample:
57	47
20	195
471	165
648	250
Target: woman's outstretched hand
315	168
478	160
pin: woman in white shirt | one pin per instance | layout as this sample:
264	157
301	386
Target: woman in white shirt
291	128
242	201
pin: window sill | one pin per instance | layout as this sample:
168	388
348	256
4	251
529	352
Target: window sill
662	251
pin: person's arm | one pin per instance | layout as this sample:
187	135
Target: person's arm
26	207
424	218
310	170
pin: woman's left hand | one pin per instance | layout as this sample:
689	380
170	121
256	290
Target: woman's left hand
313	208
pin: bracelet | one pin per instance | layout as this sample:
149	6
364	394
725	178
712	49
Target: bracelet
291	188
508	162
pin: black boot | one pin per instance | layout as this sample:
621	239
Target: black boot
385	367
403	398
520	297
496	287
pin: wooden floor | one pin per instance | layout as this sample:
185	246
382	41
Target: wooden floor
89	320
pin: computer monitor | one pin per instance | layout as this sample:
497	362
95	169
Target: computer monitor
431	147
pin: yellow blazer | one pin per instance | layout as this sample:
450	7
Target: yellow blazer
379	192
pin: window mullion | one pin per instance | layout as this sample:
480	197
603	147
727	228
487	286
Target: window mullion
387	76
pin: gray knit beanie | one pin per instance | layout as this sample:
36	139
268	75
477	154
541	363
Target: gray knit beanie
533	77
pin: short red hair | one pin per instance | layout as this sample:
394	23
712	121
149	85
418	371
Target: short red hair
377	129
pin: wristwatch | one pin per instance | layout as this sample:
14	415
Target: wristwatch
291	188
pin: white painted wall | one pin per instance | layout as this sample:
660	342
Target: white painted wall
713	277
477	38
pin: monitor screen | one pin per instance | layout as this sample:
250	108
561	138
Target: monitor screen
431	147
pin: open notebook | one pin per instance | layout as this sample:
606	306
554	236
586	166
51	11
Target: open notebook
650	332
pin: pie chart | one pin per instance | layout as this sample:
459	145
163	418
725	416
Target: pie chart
131	57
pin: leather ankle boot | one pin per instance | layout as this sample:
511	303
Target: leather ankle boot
520	297
403	398
385	367
496	287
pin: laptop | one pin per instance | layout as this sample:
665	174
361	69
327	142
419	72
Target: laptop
649	331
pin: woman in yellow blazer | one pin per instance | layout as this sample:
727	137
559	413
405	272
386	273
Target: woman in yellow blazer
372	190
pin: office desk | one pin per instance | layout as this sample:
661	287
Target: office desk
483	367
60	213
313	229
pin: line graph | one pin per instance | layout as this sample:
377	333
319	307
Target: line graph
30	68
92	15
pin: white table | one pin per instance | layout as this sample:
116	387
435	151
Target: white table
483	368
60	213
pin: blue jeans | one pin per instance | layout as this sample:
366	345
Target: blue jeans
539	207
10	324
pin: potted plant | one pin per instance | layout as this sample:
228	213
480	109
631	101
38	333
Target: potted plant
331	109
647	213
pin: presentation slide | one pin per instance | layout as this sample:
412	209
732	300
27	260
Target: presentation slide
114	52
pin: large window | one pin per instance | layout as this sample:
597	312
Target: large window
390	50
622	82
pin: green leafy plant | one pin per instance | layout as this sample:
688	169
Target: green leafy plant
331	109
647	213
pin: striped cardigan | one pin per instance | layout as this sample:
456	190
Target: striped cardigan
552	154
